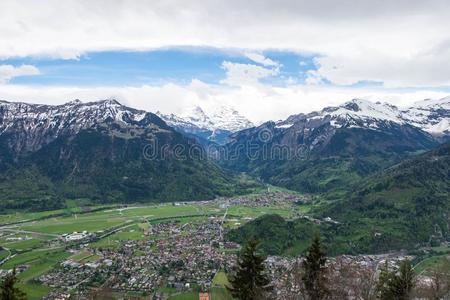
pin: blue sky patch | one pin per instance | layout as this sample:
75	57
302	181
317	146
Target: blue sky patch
177	65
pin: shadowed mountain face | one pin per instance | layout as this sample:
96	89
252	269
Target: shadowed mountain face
326	150
102	151
401	207
109	152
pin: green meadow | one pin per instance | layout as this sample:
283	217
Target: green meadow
131	223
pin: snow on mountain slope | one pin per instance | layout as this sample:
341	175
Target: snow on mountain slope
443	103
432	116
227	118
221	118
72	115
215	125
355	113
199	118
30	126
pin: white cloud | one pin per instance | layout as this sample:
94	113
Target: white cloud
414	70
258	102
261	59
402	42
245	74
314	77
7	72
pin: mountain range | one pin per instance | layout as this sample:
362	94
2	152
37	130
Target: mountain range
99	150
216	126
401	207
429	115
335	147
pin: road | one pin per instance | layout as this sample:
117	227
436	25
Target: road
9	229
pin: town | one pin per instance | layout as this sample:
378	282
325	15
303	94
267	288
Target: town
160	257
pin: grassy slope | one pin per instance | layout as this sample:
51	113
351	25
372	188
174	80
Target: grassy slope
338	164
400	207
277	236
105	169
40	261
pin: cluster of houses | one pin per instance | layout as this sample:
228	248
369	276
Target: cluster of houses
176	255
69	275
265	199
19	269
182	255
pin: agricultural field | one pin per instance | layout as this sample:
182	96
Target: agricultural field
431	263
439	257
37	242
38	262
40	243
4	254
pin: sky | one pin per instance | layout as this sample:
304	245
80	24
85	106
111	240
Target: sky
267	59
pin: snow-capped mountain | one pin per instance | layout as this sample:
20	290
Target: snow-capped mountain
358	126
30	126
102	151
221	118
216	125
331	148
432	116
355	113
227	118
199	118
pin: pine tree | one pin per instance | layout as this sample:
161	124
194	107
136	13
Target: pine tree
402	283
396	285
314	276
250	281
8	290
383	284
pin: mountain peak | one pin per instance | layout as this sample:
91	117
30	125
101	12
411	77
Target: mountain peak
227	118
211	125
364	110
221	118
112	102
198	117
74	102
429	103
198	110
47	122
430	115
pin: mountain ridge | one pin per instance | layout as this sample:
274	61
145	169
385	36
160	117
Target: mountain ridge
338	145
341	144
101	151
215	126
431	116
52	121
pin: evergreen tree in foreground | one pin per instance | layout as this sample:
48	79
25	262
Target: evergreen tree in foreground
314	276
8	291
383	284
398	284
402	283
250	282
